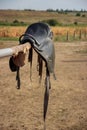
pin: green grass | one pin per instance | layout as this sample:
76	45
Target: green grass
59	38
63	38
13	24
9	39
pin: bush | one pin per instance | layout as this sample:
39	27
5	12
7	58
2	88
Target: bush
75	22
83	15
15	21
18	23
51	22
78	14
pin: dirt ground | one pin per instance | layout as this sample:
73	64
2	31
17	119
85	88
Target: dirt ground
23	109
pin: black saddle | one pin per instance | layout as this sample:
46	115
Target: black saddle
39	35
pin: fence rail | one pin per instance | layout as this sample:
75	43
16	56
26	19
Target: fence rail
14	50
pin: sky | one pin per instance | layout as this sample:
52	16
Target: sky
43	4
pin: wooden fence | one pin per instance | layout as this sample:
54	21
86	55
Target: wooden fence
81	35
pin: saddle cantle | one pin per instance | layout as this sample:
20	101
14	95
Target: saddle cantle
39	35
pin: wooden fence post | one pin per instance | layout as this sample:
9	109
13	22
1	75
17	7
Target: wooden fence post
74	35
67	36
85	34
80	34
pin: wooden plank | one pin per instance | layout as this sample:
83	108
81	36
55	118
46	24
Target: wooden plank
14	50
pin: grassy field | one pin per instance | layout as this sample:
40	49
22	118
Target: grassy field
34	16
69	26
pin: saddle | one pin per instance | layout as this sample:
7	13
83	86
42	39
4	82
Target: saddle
39	36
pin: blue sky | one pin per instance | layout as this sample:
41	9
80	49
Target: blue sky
43	4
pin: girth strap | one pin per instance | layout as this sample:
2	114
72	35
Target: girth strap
40	66
18	78
30	58
46	95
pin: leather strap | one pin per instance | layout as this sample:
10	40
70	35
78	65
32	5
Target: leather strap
46	95
18	78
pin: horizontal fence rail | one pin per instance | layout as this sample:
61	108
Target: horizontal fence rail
14	50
